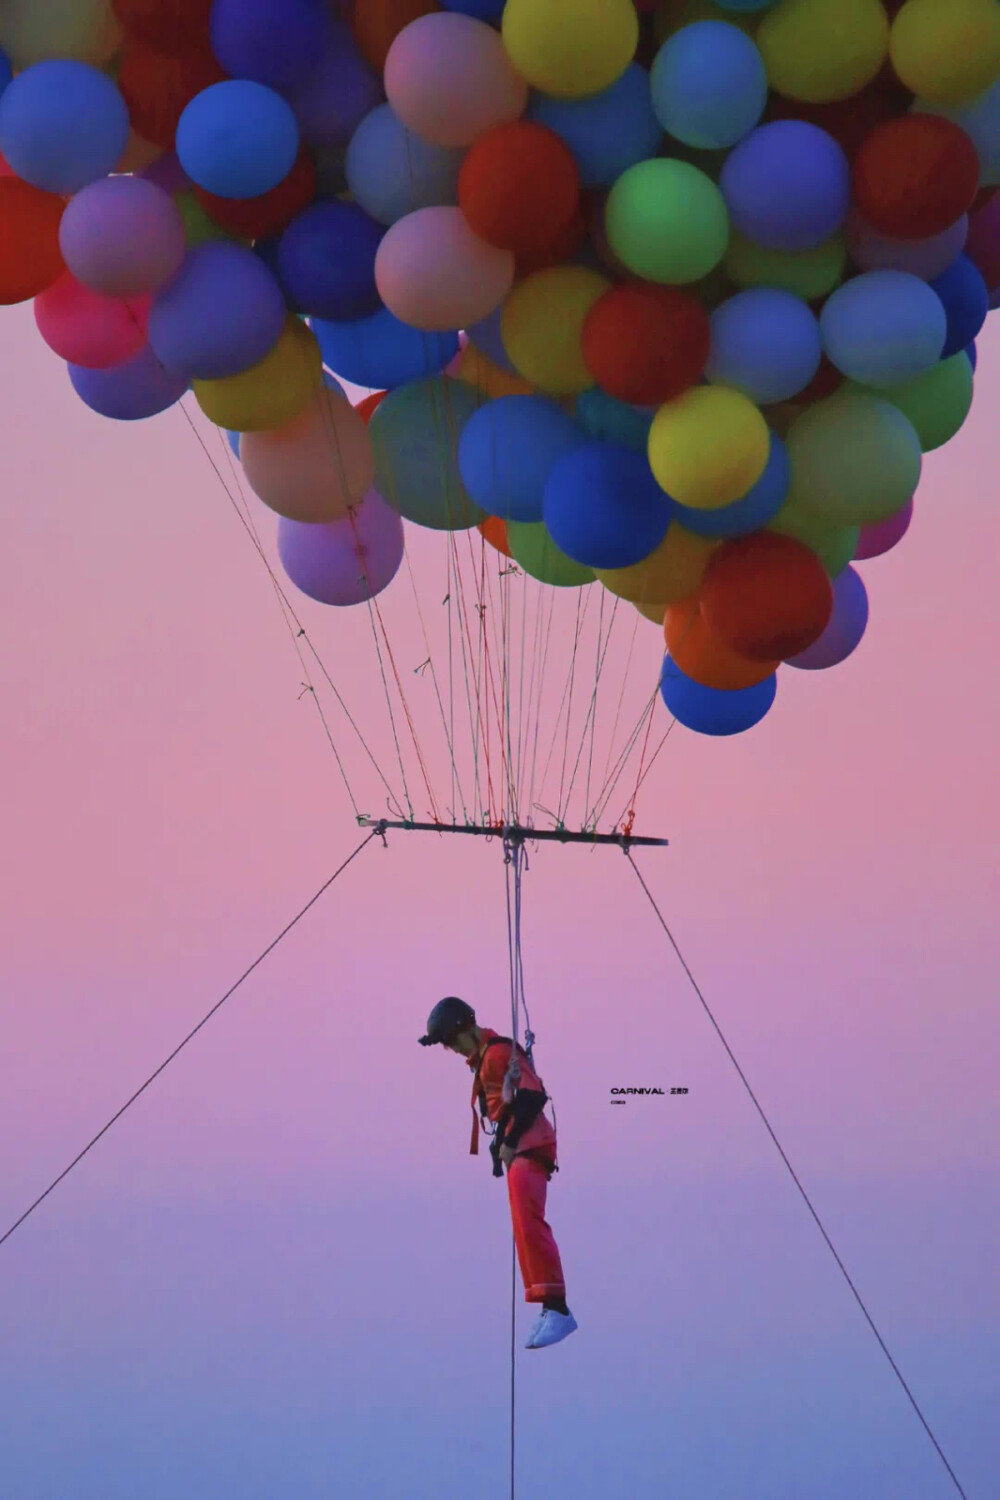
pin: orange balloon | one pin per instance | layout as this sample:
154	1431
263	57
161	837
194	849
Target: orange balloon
377	24
494	529
705	657
30	258
475	368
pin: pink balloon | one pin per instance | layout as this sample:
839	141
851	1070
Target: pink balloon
346	561
448	78
432	272
883	535
872	251
87	329
314	468
122	236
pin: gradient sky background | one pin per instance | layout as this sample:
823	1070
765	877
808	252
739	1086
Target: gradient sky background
281	1274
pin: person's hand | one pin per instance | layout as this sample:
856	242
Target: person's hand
507	1154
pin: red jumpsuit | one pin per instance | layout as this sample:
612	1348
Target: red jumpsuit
527	1175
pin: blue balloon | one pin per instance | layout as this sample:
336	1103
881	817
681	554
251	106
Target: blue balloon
139	388
607	132
712	710
337	94
233	439
482	10
487	338
753	510
381	352
6	71
603	507
601	416
238	139
508	450
786	185
391	172
966	301
765	343
221	314
326	261
971	355
277	42
709	85
844	629
62	125
884	328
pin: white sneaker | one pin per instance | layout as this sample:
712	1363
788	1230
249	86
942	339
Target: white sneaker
551	1327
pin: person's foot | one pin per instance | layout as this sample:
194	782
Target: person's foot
551	1327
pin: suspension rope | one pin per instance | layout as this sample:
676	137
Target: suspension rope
207	1017
805	1196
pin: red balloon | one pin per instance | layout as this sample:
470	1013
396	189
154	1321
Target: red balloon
766	595
258	218
519	187
377	23
646	344
983	243
915	175
565	244
178	27
704	656
158	87
369	405
30	258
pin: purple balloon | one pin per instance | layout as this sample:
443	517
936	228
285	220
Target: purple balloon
167	173
341	89
139	388
882	536
274	42
845	628
344	562
221	314
872	251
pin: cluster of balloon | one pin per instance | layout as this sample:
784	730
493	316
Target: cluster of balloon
668	295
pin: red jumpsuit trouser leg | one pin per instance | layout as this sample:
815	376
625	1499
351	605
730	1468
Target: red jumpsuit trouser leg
537	1251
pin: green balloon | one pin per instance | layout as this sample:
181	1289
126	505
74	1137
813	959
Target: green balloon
855	459
937	403
532	547
415	433
667	221
810	274
198	227
833	545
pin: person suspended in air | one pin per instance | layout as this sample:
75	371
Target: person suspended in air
524	1141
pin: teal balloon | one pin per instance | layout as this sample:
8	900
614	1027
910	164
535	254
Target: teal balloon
601	416
709	85
415	433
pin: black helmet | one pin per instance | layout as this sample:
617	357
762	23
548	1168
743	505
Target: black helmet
448	1017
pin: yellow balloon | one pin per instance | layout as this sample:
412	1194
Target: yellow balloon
541	327
672	572
570	48
271	392
708	447
475	368
947	51
33	31
654	612
820	50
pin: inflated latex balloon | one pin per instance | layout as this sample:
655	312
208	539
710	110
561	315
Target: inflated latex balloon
62	124
391	172
711	711
914	176
855	459
809	274
448	78
487	338
646	344
337	93
947	51
432	272
766	596
983	243
980	119
495	532
542	327
756	508
601	416
603	507
765	343
708	447
533	549
238	139
122	236
606	132
376	27
704	656
346	561
86	329
415	432
315	467
30	257
672	571
326	261
6	71
269	393
876	540
872	251
270	213
844	630
936	403
834	545
884	328
818	50
666	221
709	85
381	352
276	42
199	228
508	449
519	187
483	10
129	392
570	48
158	88
84	30
966	301
490	380
786	186
221	314
178	28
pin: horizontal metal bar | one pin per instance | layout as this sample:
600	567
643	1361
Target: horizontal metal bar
516	833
